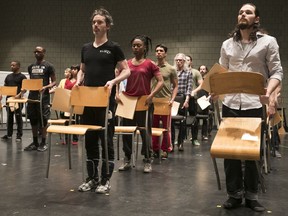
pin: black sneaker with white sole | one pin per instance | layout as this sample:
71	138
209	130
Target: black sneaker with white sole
32	147
42	147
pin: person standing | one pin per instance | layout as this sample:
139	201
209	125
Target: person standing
249	48
44	70
185	83
196	86
98	62
14	79
139	84
169	75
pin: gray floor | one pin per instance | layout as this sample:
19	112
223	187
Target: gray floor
184	184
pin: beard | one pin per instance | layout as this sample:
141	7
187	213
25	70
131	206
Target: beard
244	25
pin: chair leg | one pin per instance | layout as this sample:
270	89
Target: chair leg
217	173
118	147
160	143
69	151
134	153
106	154
83	159
49	155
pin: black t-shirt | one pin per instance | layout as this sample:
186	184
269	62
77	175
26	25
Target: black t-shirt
14	79
100	62
44	71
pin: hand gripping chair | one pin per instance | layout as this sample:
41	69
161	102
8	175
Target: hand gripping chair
238	138
30	85
8	91
82	97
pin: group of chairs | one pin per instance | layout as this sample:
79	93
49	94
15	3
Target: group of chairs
229	141
11	91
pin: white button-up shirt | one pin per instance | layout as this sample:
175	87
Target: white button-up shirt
261	56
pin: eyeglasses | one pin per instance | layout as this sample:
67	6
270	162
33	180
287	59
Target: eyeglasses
37	52
179	60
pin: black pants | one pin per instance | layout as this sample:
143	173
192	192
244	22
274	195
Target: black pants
236	185
96	116
146	136
10	120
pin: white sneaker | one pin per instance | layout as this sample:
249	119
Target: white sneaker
147	168
103	189
88	185
126	165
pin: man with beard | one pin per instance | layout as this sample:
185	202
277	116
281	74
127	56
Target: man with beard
249	48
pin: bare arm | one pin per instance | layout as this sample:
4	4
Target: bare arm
272	85
157	88
124	72
175	89
80	75
194	92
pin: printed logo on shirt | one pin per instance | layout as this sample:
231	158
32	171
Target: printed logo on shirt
38	69
105	51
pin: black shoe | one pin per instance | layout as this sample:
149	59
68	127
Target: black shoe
18	139
31	147
42	147
232	203
254	205
6	137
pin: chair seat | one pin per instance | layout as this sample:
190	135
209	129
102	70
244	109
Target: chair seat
125	129
158	131
238	138
66	129
89	127
58	121
178	117
21	100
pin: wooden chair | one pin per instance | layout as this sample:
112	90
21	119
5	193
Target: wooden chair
6	91
180	120
30	85
161	107
130	130
61	102
82	97
238	138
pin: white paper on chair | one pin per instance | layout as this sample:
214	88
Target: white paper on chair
127	108
203	102
247	136
175	108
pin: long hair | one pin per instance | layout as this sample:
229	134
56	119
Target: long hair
146	40
236	35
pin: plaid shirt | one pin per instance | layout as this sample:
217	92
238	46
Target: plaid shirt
184	82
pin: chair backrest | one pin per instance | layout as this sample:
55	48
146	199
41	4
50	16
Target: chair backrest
32	84
90	96
8	90
140	105
161	106
237	82
61	101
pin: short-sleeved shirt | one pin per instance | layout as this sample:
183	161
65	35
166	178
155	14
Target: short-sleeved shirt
139	82
14	79
168	73
196	76
100	63
45	70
